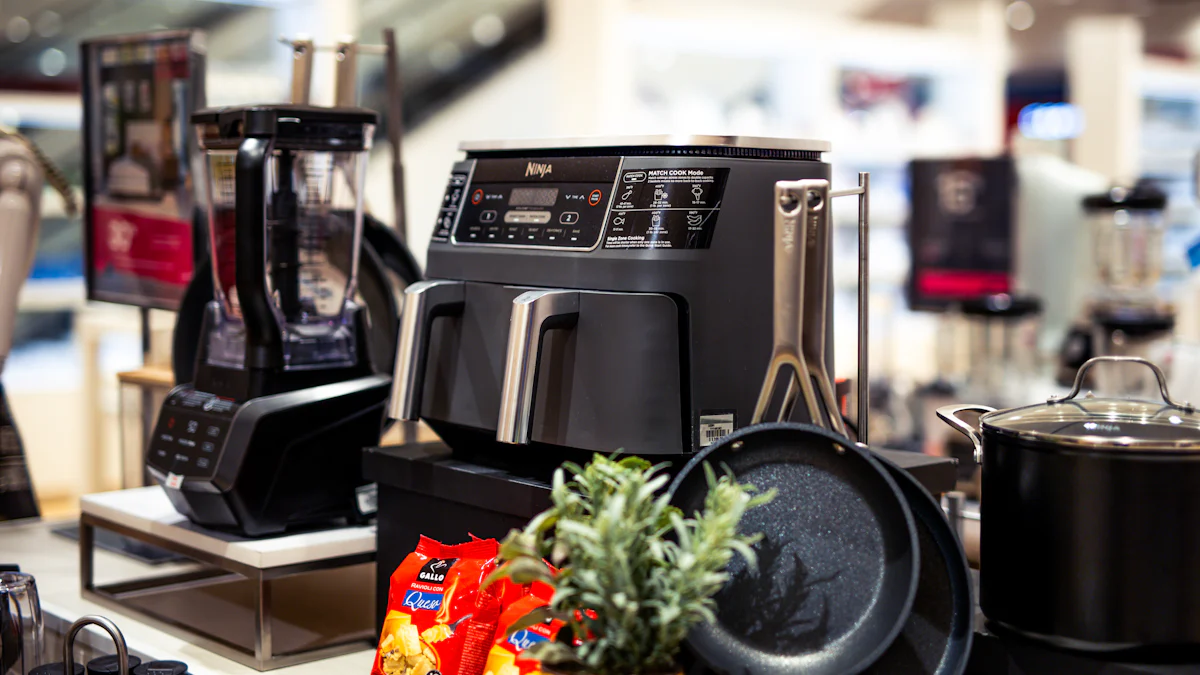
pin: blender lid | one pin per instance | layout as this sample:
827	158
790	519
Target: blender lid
1113	424
1142	196
1002	305
297	123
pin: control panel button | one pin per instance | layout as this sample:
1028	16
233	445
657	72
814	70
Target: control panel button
187	442
477	196
206	446
192	425
569	217
488	216
213	431
595	197
527	217
181	458
201	462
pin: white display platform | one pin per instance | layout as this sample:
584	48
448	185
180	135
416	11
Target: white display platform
250	600
147	509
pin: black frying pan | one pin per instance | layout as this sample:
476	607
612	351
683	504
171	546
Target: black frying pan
837	565
838	559
936	639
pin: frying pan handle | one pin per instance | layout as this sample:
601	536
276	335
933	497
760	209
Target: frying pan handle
533	313
949	415
1158	374
791	216
423	302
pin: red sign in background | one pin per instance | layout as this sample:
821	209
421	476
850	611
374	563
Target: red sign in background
141	246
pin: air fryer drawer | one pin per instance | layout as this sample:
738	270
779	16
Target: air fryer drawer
464	368
612	381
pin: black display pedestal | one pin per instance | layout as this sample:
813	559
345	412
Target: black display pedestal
424	490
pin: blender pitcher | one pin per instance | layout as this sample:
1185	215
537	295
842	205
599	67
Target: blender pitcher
285	209
20	624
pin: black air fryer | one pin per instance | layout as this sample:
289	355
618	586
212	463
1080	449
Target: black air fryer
595	295
285	394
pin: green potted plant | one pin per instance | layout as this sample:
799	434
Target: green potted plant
635	574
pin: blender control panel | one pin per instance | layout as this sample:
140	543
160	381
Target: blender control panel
557	202
191	431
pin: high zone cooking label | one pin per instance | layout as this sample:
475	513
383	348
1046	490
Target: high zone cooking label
665	208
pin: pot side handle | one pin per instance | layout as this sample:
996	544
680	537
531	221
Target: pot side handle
949	415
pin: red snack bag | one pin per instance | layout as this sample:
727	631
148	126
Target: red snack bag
505	656
433	592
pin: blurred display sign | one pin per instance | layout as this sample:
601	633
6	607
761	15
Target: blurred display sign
961	232
139	92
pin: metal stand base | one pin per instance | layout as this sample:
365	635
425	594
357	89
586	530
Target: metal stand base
264	618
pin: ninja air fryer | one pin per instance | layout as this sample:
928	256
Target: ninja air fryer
590	295
285	393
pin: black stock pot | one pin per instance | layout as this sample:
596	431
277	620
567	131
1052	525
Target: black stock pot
1090	522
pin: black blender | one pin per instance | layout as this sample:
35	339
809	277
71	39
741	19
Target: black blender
285	394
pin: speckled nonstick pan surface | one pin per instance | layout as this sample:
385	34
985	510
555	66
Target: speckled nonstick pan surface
837	566
936	639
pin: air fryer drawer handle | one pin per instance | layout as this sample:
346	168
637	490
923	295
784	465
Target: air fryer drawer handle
423	302
533	313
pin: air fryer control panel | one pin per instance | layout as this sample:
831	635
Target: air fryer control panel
579	204
191	431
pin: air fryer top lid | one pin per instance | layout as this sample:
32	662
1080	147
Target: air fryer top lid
295	126
1142	196
747	147
1105	423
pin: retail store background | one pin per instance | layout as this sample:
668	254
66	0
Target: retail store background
885	81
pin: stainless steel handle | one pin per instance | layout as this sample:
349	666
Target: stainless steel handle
815	207
423	302
68	653
345	85
949	415
864	304
790	236
533	313
1158	374
302	63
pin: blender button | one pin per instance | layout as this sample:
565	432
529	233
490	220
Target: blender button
213	431
207	447
202	463
181	458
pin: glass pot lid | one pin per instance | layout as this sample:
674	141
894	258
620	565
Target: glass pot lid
1104	423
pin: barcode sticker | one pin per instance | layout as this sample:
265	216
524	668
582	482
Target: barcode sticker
714	427
367	499
174	481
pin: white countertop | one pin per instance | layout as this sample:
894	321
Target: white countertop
54	562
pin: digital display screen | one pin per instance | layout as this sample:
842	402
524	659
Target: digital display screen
525	196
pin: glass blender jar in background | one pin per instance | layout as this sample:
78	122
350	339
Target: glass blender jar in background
21	628
1128	315
1004	361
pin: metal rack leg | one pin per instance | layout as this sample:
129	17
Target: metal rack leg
87	555
262	616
